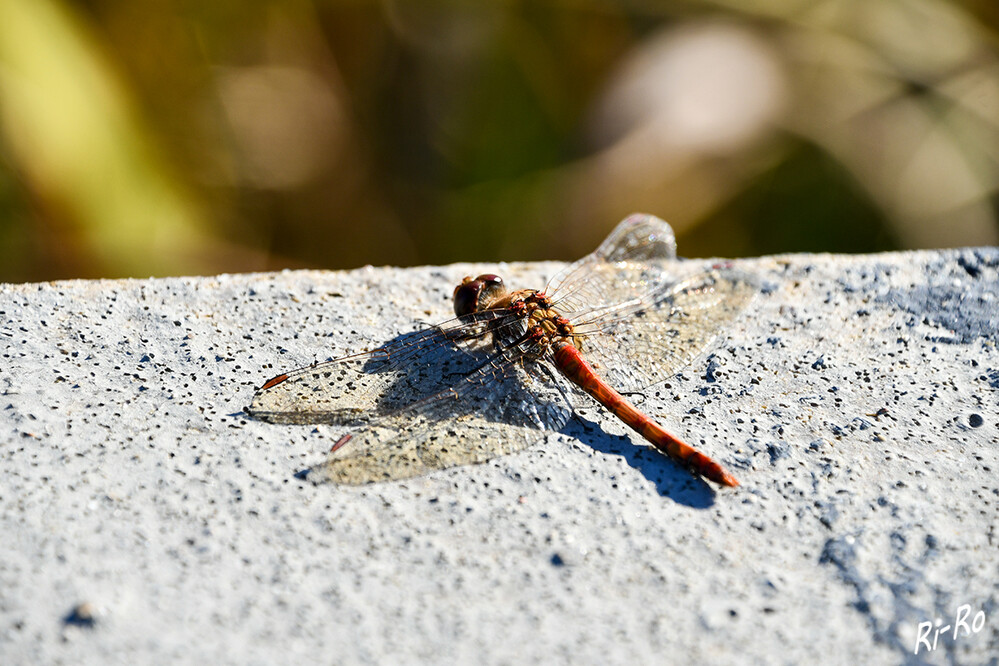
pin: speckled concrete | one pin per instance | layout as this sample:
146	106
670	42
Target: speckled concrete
147	519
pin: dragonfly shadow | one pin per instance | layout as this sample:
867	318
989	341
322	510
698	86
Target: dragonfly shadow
360	387
672	480
418	385
417	370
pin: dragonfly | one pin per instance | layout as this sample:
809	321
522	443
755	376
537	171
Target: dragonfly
514	364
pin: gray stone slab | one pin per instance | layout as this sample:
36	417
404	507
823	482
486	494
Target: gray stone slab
147	519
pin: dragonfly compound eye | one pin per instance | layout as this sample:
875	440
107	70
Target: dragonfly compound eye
491	280
474	295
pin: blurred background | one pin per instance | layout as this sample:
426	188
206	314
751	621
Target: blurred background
170	137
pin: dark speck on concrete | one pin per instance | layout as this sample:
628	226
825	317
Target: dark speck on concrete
82	615
769	287
778	450
828	513
712	368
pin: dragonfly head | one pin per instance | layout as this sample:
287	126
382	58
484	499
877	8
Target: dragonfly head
474	295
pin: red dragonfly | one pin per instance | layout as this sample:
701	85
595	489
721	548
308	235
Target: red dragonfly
512	362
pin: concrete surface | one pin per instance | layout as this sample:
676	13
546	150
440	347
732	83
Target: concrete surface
146	519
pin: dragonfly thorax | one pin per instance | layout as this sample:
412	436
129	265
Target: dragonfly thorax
538	324
543	327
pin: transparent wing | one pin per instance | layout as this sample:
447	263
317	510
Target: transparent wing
641	315
653	343
498	409
628	270
380	381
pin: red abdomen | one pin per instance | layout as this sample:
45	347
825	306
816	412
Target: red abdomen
577	370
